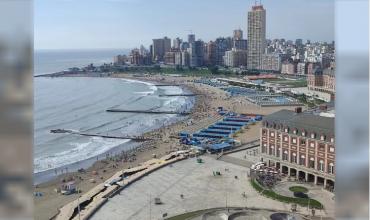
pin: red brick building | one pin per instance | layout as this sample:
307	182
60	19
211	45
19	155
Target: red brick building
300	145
322	81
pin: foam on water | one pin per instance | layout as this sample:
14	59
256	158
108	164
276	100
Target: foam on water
151	85
77	152
54	151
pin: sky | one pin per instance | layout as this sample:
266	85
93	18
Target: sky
98	24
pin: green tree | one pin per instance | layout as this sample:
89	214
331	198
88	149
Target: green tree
157	68
213	69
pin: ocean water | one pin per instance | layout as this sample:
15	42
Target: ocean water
49	61
80	104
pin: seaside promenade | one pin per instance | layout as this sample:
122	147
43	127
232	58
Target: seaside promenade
188	186
86	205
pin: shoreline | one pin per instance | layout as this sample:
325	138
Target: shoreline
129	147
204	113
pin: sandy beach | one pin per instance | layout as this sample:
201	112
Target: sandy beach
203	114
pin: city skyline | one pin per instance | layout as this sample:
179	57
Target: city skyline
100	34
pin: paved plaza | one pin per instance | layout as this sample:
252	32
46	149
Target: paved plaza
200	188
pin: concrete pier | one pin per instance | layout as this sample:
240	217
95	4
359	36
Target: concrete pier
169	95
148	112
134	138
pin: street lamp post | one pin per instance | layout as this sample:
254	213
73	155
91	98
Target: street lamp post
79	210
150	206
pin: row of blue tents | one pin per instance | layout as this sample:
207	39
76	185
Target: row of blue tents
218	133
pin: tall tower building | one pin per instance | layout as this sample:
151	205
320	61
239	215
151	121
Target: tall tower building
160	47
196	53
176	43
191	38
256	36
238	34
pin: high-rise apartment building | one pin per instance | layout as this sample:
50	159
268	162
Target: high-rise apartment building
271	62
178	58
184	46
235	58
138	58
298	42
326	59
238	34
301	68
191	38
119	60
176	43
210	56
169	58
160	47
196	54
288	68
256	36
185	58
222	45
241	44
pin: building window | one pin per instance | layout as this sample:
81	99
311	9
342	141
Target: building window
302	160
321	166
278	135
272	134
271	150
331	150
264	132
295	131
264	146
303	141
286	130
331	168
303	133
285	155
313	135
278	152
322	137
332	140
312	144
293	158
312	163
321	147
285	138
294	140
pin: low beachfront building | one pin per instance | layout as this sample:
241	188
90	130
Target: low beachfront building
300	145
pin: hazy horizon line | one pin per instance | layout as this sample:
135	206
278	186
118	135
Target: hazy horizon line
130	48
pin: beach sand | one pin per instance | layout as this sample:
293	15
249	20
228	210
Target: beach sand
203	114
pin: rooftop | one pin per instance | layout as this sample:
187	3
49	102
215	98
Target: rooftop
257	7
302	121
